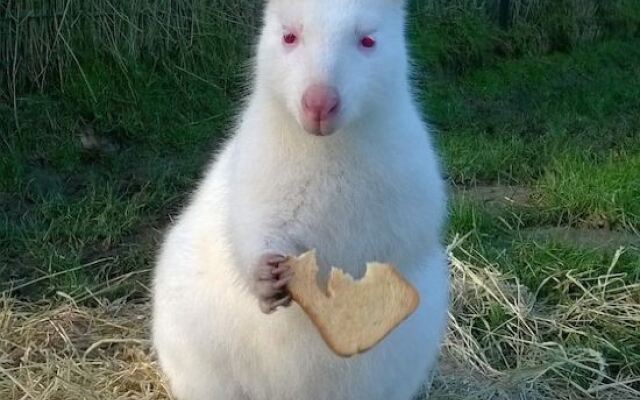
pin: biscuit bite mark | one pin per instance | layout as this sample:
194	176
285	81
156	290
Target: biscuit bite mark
352	316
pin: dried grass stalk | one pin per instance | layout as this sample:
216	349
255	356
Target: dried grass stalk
56	352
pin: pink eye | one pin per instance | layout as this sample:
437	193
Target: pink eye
367	42
289	38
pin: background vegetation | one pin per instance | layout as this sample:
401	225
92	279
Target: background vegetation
109	110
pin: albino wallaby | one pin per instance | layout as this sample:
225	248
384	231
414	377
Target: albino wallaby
330	153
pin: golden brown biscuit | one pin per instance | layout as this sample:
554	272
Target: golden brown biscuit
352	316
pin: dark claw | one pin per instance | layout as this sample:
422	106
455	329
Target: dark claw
285	301
272	259
281	283
281	269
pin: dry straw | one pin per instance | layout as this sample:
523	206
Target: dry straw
56	352
41	39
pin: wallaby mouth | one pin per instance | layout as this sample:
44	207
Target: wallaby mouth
319	128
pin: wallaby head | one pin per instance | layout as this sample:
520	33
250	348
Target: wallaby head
331	64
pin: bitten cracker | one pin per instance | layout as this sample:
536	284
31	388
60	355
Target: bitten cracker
352	315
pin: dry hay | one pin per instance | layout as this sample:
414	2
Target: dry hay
523	356
66	352
44	41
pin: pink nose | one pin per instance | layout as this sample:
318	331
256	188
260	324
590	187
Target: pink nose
320	102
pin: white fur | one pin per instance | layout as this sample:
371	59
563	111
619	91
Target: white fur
371	191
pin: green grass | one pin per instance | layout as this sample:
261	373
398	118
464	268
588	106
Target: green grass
566	125
605	192
65	205
511	121
558	269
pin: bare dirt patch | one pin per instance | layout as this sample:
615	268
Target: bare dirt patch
586	238
497	195
592	234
